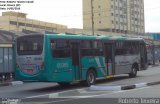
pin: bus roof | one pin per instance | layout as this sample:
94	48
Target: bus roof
85	37
73	36
64	36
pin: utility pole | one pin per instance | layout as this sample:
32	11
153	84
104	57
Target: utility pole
92	17
17	21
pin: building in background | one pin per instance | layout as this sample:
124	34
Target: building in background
110	17
118	16
16	21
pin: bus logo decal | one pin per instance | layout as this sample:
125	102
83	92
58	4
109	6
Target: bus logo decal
62	65
100	66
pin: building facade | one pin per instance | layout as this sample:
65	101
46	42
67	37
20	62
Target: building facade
118	16
16	21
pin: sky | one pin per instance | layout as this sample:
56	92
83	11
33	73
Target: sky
69	12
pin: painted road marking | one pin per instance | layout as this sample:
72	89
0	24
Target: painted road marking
76	97
55	93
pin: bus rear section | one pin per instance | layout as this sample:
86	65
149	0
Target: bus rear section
29	57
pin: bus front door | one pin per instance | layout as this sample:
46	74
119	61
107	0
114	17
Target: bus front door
76	60
109	58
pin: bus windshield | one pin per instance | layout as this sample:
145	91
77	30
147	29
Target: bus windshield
30	45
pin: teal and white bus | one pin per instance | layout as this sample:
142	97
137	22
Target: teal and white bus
70	58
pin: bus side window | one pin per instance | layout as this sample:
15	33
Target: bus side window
35	46
86	48
53	44
120	50
97	48
60	48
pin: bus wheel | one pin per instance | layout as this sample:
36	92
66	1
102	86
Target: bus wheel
133	72
90	78
0	77
63	84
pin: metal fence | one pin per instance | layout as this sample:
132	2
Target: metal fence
6	61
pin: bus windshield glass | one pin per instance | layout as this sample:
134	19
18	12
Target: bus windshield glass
30	45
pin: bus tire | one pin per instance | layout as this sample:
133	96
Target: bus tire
133	72
63	84
0	77
90	78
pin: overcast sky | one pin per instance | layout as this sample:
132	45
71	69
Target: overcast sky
69	12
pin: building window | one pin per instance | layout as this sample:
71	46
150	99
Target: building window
42	27
112	6
117	22
13	22
112	22
29	25
35	26
21	24
112	14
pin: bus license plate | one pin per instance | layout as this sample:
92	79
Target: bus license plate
29	70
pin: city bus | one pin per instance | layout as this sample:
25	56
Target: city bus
65	59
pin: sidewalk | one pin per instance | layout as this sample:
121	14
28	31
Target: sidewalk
5	83
11	83
122	87
156	64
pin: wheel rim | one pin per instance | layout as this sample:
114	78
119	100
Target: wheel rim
91	78
134	70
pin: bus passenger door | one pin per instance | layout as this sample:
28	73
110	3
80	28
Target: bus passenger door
75	48
109	58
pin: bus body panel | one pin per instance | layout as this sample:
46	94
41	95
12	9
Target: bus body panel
124	63
60	70
98	63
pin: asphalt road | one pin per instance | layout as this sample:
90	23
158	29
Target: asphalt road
78	94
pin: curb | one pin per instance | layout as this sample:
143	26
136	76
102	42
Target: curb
105	88
13	83
153	83
123	87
